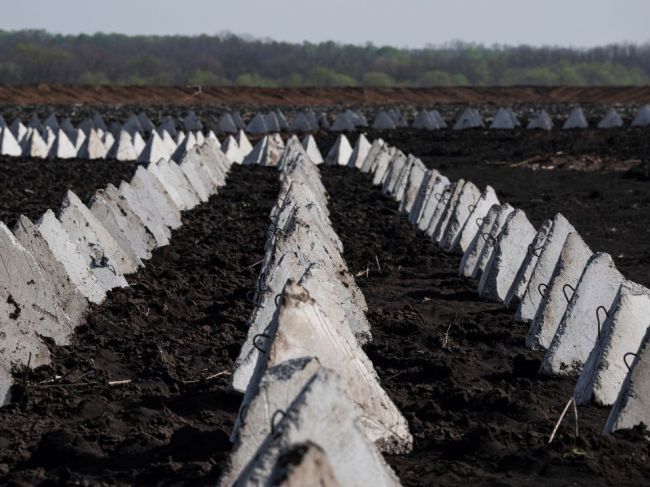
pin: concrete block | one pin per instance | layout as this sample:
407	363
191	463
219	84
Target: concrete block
622	333
393	172
312	150
578	331
631	406
69	255
359	153
374	151
509	252
302	464
153	193
176	177
195	178
520	284
412	187
441	187
162	177
422	194
471	227
69	298
441	228
151	220
302	329
544	268
490	240
382	162
108	261
465	204
144	240
324	415
472	256
115	222
570	265
441	201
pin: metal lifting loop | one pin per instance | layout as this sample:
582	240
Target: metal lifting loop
573	290
539	288
534	250
255	341
477	222
486	236
598	317
629	367
471	208
277	297
273	418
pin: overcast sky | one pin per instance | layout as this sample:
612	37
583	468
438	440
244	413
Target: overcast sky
413	23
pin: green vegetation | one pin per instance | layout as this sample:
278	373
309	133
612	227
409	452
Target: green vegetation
30	57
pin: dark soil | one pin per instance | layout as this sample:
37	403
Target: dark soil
455	365
31	186
181	321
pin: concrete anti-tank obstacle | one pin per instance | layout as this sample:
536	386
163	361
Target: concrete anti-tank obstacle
383	121
115	222
152	220
301	328
374	151
311	148
468	119
69	298
442	201
360	152
426	121
520	284
93	147
104	256
122	149
423	193
231	149
391	177
9	146
324	415
642	118
195	178
401	185
441	187
175	194
154	150
62	148
342	123
471	227
509	252
152	193
472	256
490	239
226	124
504	119
142	238
34	146
412	187
276	390
71	257
265	153
465	204
579	330
139	143
576	120
27	310
340	153
631	406
441	228
257	125
303	464
243	142
544	268
623	331
573	259
611	120
382	164
173	179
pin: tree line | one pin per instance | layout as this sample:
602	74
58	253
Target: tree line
36	56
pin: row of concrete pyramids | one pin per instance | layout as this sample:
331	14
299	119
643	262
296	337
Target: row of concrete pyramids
580	309
310	391
55	267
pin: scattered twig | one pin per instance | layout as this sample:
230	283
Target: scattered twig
205	379
559	421
119	382
255	264
377	261
446	336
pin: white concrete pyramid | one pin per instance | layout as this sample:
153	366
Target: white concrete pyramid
373	153
244	144
169	125
232	151
504	119
414	181
78	138
300	123
8	144
340	153
34	145
311	148
154	150
383	121
239	122
569	268
323	122
425	121
611	120
342	123
467	201
145	122
578	332
93	147
642	118
226	124
108	140
18	129
272	122
398	118
576	120
67	127
542	121
192	123
606	368
435	114
62	148
86	125
360	152
138	142
98	122
257	125
122	149
468	119
35	123
471	228
132	125
51	122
